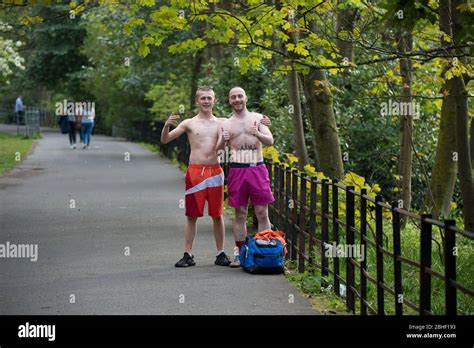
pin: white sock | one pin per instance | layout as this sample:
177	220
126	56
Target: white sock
219	251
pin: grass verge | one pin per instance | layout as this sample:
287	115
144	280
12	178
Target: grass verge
13	149
316	289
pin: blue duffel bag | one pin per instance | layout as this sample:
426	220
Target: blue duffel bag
259	256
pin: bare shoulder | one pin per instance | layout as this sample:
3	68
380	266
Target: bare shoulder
226	121
187	123
257	115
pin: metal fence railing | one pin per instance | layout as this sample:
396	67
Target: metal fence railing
30	121
313	222
150	132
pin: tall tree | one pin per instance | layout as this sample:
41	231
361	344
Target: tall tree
57	59
346	17
443	178
323	120
295	103
404	45
459	94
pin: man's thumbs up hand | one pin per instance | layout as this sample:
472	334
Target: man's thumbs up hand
254	129
225	134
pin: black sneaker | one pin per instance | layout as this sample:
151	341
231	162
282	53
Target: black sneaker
222	260
186	261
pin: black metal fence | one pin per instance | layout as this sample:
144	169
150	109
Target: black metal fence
30	121
316	219
308	210
151	132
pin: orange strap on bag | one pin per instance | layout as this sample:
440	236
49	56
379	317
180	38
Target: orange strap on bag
270	234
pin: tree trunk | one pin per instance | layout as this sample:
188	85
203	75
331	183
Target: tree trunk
406	121
462	127
346	18
462	143
313	149
443	177
298	133
216	51
198	62
295	110
323	122
345	23
471	137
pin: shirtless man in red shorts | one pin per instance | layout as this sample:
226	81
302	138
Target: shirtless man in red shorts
204	177
248	177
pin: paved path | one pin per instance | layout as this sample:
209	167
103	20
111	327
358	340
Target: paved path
118	205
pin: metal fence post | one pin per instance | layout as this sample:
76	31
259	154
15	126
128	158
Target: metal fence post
379	254
294	214
350	222
302	224
312	219
363	243
281	205
425	263
275	195
335	234
324	226
397	264
450	267
287	209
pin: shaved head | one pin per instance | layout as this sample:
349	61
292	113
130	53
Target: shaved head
237	90
238	99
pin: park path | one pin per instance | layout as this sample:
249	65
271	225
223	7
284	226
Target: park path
119	206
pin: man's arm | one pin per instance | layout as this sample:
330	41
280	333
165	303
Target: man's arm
262	133
166	135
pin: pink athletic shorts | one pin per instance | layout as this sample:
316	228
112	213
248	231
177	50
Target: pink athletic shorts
249	182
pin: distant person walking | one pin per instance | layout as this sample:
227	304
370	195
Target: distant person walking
72	130
19	109
79	113
87	124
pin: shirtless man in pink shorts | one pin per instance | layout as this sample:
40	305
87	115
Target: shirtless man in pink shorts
248	177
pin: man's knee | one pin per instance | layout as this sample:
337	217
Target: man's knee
261	212
216	218
241	213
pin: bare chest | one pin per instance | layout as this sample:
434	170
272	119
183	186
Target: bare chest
241	128
203	129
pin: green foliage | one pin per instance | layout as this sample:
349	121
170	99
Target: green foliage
167	98
57	57
316	287
10	59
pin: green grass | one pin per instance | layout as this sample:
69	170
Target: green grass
13	149
316	288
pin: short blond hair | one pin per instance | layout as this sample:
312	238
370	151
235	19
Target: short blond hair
204	89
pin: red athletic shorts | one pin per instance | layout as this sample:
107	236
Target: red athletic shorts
204	182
